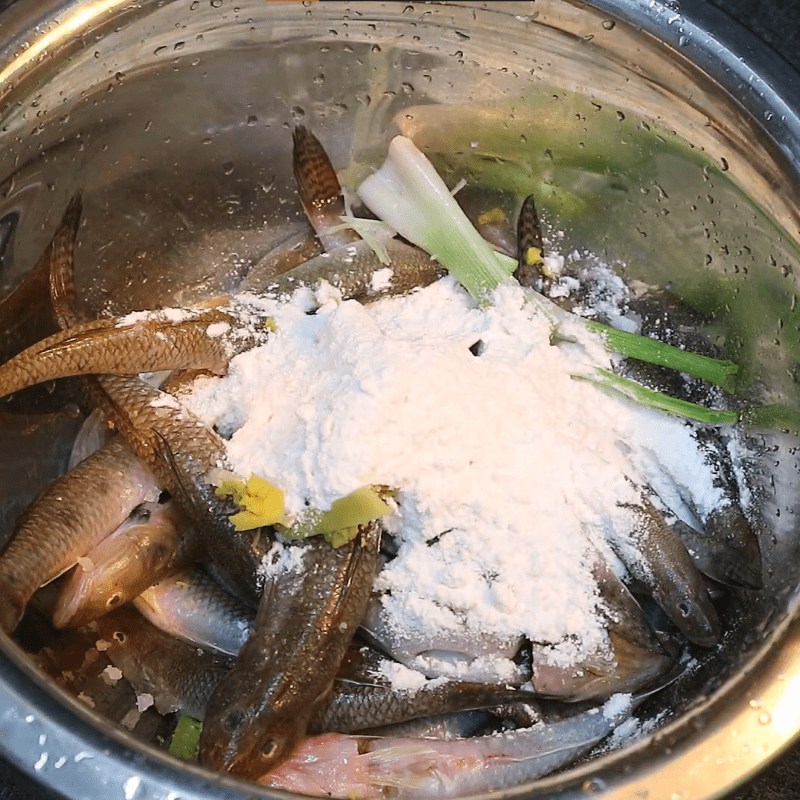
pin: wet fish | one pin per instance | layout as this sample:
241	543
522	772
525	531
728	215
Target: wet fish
305	622
634	659
664	566
180	677
356	271
319	189
176	445
191	606
727	548
289	254
181	450
530	262
357	707
355	766
106	346
150	545
67	519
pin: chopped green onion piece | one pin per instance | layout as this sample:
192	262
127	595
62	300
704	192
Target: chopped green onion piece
186	739
720	372
662	402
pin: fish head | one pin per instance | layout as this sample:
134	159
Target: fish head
243	742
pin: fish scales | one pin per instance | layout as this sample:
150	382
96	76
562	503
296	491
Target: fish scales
352	270
304	625
147	547
104	346
319	189
358	707
181	450
71	516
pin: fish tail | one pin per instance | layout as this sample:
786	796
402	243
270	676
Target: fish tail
319	189
63	294
530	262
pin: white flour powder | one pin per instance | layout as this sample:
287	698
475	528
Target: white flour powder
505	464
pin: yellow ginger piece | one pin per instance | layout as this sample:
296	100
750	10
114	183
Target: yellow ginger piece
261	503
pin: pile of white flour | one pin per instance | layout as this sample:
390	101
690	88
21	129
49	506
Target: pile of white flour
508	469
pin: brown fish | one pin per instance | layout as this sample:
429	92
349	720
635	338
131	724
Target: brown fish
181	450
634	659
176	445
180	676
305	622
78	510
106	346
352	270
153	543
667	570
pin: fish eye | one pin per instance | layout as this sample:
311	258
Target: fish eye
232	720
268	748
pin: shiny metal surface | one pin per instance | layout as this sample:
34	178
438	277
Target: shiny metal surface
648	140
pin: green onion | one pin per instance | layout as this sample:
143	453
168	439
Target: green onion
408	194
186	739
662	402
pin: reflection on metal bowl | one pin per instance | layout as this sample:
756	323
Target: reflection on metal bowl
646	138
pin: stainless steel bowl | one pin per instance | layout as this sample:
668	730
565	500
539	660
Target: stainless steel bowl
668	142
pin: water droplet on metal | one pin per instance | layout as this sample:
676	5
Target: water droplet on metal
298	112
683	41
227	167
620	116
376	48
407	88
194	5
319	79
764	718
408	10
216	3
252	119
609	24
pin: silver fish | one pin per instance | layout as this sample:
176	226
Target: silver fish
192	606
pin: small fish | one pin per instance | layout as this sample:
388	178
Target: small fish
530	262
355	270
70	517
151	544
355	766
458	725
634	659
727	549
181	451
319	190
176	445
180	677
191	606
289	254
665	567
106	346
305	623
356	707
